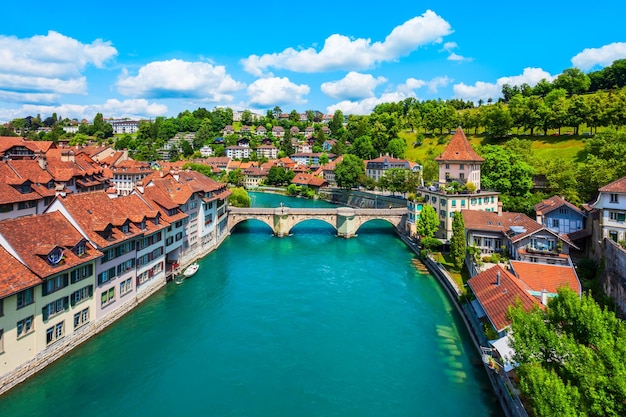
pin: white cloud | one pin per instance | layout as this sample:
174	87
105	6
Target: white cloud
354	86
180	79
435	83
367	105
456	57
136	108
603	56
449	46
51	63
484	90
277	91
343	53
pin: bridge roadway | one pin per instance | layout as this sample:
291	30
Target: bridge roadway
346	220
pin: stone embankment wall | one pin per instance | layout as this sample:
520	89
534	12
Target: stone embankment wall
360	199
613	277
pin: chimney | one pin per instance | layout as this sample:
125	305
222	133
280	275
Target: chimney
497	278
139	186
499	208
41	158
544	297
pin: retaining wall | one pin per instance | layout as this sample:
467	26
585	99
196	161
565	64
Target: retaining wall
613	277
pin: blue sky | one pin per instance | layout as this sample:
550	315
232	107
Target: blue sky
143	59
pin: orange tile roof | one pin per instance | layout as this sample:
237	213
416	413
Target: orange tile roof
496	298
617	186
550	204
459	149
30	169
9	194
540	276
33	237
15	277
491	221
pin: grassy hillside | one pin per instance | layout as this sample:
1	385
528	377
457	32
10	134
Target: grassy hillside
565	146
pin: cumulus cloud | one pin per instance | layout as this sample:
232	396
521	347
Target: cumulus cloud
603	56
366	106
449	46
180	79
354	86
135	108
49	64
459	58
276	91
484	90
343	53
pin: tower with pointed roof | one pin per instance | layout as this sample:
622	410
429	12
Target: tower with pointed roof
459	162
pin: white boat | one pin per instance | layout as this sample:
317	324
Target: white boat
191	270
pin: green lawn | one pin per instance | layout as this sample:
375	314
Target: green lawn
460	277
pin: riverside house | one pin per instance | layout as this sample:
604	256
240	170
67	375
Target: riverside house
130	235
47	286
459	166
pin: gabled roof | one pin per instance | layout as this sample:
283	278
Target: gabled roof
539	276
459	149
548	205
495	298
308	179
617	186
15	276
34	237
490	221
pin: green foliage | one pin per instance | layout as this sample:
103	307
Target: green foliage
236	177
239	198
428	222
349	171
201	168
504	171
458	242
430	243
293	190
572	357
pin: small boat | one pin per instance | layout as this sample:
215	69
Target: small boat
191	270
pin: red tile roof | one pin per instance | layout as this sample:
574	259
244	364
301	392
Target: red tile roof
15	277
491	221
34	237
540	276
496	298
617	186
550	204
459	149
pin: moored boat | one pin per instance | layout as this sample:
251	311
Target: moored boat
191	270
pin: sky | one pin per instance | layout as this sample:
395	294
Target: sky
140	59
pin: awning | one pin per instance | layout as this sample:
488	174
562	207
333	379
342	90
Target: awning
505	351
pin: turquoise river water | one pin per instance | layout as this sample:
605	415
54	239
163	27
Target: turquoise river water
307	325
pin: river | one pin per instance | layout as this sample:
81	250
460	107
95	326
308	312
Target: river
306	325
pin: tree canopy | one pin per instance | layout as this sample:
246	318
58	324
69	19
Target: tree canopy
428	222
572	357
349	171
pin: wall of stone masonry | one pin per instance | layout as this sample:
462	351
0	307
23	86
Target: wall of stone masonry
614	275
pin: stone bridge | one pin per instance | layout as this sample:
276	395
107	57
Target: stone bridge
345	220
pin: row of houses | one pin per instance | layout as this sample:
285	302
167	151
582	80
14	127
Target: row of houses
80	258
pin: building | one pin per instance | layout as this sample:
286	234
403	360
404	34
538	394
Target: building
127	174
459	165
253	177
47	286
610	207
376	168
559	215
267	151
238	152
124	126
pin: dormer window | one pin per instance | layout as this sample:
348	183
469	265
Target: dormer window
55	256
25	188
142	225
80	248
156	218
108	232
125	228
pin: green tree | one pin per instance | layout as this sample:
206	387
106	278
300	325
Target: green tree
427	222
336	123
236	177
458	242
572	80
572	357
349	171
497	120
363	148
239	198
396	147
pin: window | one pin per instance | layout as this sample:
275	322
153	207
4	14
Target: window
25	326
447	166
54	284
22	205
125	228
54	333
169	241
25	298
5	208
555	222
476	241
81	318
107	297
81	295
461	175
125	287
613	235
1	341
461	167
105	276
614	198
55	307
81	273
125	266
462	203
434	199
562	210
1	307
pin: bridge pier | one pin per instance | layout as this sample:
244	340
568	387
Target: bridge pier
281	221
346	225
